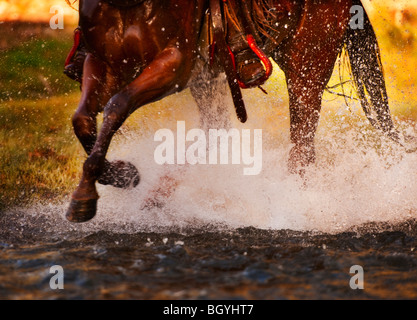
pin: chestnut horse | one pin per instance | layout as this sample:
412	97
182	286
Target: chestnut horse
141	51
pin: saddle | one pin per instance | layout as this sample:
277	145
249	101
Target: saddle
240	51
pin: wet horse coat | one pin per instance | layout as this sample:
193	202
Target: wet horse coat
142	52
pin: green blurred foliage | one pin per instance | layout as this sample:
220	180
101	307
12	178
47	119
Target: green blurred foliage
33	70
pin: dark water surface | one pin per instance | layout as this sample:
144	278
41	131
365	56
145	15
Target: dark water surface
205	263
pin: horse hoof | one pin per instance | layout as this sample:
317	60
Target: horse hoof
120	174
81	210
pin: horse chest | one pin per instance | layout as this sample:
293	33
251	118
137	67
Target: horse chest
135	50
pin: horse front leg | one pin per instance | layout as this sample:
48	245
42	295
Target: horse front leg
92	102
97	87
155	82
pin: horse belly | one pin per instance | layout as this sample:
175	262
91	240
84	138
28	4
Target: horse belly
129	39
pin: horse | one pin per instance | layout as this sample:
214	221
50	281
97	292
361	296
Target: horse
141	51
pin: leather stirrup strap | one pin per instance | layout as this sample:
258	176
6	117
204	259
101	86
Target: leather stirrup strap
77	40
226	60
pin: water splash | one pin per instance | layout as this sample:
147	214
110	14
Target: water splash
359	177
349	185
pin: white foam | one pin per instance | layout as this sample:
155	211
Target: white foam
358	177
352	182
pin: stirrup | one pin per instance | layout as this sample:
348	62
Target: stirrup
262	76
73	67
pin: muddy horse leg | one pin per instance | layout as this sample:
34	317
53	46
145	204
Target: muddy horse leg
208	91
305	104
97	88
84	120
155	82
308	61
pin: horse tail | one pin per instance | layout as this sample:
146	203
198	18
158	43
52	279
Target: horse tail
365	60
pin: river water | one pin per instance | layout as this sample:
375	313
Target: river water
217	234
206	263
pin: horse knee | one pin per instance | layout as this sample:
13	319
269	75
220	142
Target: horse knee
94	164
83	124
171	69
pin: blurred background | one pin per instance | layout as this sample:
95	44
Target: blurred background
40	157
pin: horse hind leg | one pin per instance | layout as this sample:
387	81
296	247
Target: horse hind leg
155	82
308	61
306	83
304	116
208	91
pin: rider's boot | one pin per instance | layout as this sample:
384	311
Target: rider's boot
249	67
74	68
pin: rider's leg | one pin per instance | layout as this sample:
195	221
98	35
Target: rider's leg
74	68
249	67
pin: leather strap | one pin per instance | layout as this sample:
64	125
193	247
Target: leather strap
77	39
226	60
